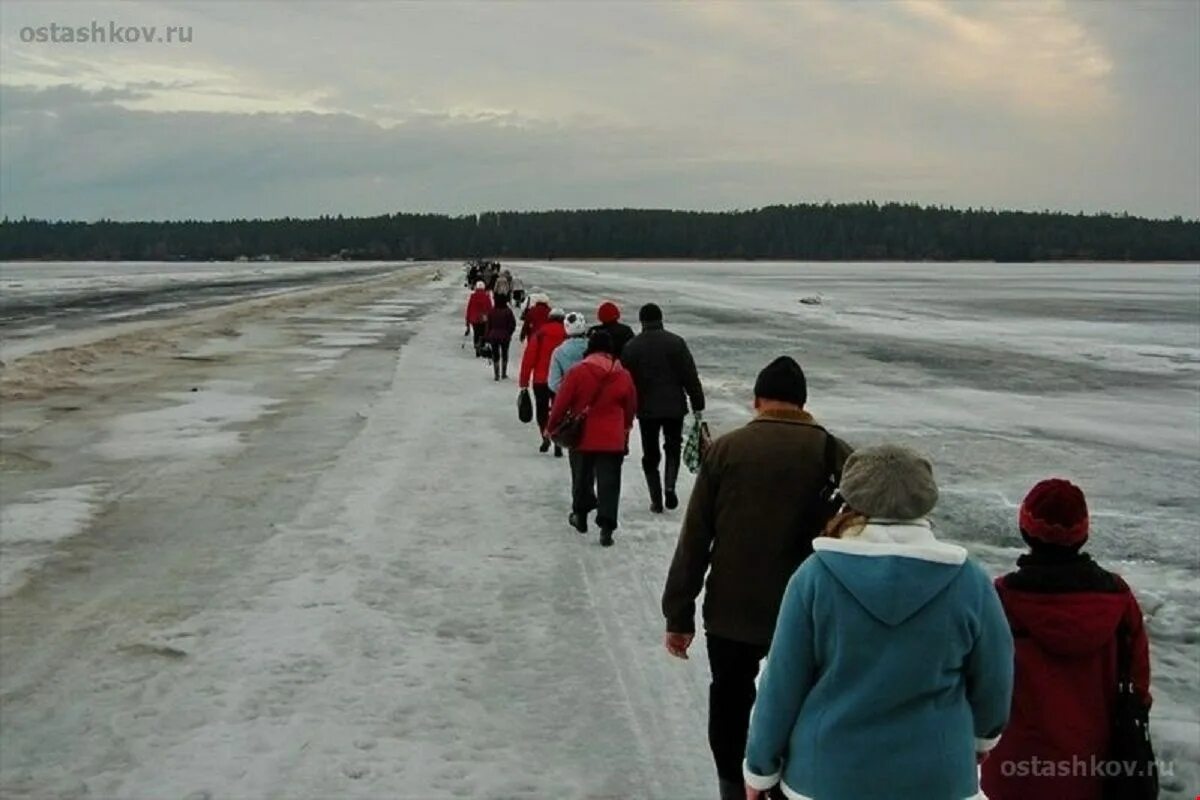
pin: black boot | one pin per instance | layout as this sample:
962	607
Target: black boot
578	522
545	448
557	451
731	791
496	369
504	368
670	476
606	537
654	484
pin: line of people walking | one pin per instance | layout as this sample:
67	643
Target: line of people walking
894	666
597	379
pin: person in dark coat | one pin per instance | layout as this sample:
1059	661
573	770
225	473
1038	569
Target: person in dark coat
1066	613
665	375
501	325
603	387
609	316
749	525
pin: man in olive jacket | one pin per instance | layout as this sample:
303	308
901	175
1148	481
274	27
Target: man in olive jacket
749	524
666	379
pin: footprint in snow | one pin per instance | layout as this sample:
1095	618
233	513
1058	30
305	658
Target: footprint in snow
355	772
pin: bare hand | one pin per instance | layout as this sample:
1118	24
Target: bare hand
677	644
754	794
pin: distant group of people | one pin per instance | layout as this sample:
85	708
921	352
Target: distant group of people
894	667
495	279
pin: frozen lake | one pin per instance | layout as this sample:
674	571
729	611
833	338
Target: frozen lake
49	303
211	491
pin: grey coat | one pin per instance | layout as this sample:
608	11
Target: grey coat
664	373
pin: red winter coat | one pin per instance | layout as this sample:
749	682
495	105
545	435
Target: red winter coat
478	306
501	324
535	317
598	383
535	361
1064	619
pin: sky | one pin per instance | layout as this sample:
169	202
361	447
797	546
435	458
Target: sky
305	108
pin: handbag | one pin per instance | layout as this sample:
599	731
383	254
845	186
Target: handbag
697	444
1132	771
524	406
569	431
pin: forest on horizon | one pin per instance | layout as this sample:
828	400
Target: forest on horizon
810	232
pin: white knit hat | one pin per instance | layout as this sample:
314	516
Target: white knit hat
575	324
479	285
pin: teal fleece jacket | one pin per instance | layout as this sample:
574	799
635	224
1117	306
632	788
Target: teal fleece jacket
890	668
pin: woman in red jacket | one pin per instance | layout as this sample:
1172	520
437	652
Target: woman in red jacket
535	367
1066	614
600	387
478	307
535	315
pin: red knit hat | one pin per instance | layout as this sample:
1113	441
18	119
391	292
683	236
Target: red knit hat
608	312
1055	512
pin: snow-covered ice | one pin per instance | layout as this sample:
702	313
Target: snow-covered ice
200	421
366	586
29	528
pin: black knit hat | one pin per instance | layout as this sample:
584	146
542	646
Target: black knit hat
782	379
650	313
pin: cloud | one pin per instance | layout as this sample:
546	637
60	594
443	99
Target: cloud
373	107
1030	57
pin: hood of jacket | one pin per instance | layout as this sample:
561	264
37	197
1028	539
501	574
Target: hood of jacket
1074	622
601	363
573	348
893	569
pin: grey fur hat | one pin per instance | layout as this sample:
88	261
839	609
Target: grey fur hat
889	482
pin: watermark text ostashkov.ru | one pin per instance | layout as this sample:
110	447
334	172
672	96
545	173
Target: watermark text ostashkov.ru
102	33
1077	767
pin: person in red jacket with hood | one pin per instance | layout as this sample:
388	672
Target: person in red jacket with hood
479	305
600	387
1066	614
535	367
535	315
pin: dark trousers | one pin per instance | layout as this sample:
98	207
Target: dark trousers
731	695
542	398
478	329
596	484
500	357
671	430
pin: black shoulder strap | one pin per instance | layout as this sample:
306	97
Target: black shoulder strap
1124	655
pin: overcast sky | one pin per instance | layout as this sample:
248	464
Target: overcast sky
307	108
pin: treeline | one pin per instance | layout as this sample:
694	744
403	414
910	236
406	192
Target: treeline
857	231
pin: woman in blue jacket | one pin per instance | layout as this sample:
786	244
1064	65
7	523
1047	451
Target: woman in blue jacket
890	673
570	352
